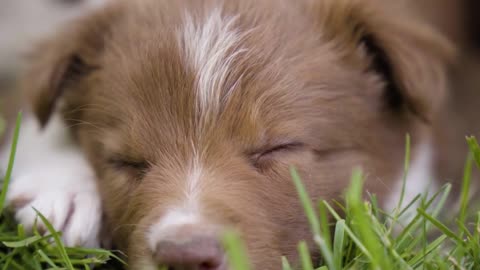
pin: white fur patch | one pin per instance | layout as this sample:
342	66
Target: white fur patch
52	175
193	186
419	180
187	212
171	220
210	46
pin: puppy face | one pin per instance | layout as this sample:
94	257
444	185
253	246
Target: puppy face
192	114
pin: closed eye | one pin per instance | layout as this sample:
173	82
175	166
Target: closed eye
267	153
129	165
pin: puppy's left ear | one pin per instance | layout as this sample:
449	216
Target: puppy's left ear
51	76
411	57
58	70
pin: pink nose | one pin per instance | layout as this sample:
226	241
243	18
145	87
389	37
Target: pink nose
200	252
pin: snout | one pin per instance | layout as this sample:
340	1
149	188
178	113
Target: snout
187	245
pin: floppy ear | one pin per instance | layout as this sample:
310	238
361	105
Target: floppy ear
410	56
60	65
53	72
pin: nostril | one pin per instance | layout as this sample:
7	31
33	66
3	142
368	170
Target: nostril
209	266
202	266
184	265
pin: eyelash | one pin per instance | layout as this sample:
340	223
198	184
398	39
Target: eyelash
139	167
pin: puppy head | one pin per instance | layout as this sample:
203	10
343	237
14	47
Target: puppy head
192	115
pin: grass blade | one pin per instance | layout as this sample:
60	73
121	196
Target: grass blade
313	219
406	168
58	242
339	244
22	243
442	227
415	261
236	251
47	260
8	175
464	197
350	233
475	149
324	227
361	222
306	202
285	264
305	257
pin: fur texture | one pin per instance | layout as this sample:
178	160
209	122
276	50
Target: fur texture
52	175
192	112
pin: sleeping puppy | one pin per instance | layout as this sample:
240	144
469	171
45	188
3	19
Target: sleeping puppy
191	114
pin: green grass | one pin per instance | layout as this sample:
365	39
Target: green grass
40	251
366	237
356	234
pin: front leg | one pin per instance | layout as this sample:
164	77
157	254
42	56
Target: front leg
52	175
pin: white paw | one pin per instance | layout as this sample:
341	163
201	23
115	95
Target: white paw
52	176
74	210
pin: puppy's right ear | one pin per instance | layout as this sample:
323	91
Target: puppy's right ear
409	56
61	65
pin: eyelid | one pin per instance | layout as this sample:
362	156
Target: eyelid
276	148
121	162
283	146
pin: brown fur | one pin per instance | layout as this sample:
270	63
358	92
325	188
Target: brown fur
341	82
458	20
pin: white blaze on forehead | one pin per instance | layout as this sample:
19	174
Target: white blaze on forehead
185	212
193	185
210	45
